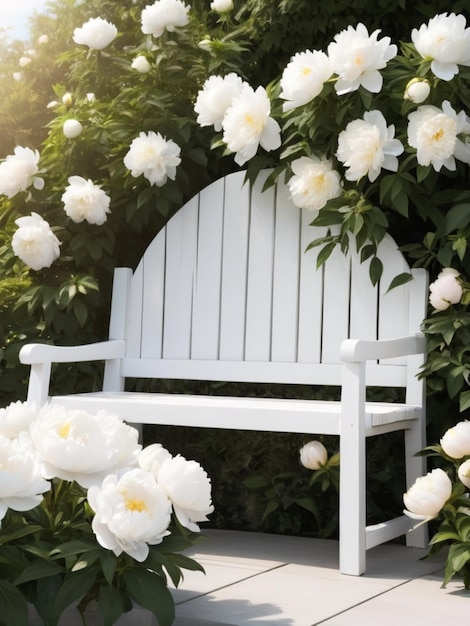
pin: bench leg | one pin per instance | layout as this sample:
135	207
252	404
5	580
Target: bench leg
352	492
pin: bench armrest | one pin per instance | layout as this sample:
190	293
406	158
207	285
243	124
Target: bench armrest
45	353
358	350
41	355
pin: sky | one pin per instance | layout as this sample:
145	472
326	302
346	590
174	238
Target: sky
15	13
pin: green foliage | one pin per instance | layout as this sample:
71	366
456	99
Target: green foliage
50	558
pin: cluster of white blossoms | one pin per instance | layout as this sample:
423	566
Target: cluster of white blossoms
446	289
150	154
426	498
132	491
368	145
241	112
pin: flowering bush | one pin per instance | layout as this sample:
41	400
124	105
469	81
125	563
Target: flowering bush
443	495
448	333
87	514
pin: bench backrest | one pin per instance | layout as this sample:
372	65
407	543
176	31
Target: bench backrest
226	291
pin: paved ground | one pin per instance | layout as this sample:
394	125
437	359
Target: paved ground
253	578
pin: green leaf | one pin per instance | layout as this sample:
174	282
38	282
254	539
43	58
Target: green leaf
457	217
464	403
325	253
151	592
108	565
74	587
109	604
375	270
13	606
39	568
457	558
401	279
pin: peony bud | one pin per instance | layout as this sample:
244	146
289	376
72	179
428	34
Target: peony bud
67	99
205	44
464	473
72	129
313	454
417	90
456	440
222	6
141	64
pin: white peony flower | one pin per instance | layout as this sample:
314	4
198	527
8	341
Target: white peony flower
72	129
17	171
189	489
24	61
313	455
304	77
130	513
17	76
435	134
42	39
222	6
21	479
153	156
152	457
357	58
456	440
366	146
445	290
215	97
314	183
97	33
417	90
164	15
141	64
83	200
446	40
34	242
16	418
425	499
247	124
75	445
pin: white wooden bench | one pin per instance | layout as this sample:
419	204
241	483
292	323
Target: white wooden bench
226	292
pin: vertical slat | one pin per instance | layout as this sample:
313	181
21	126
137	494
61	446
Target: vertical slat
310	295
153	298
336	296
260	274
206	304
364	301
113	381
234	268
181	233
134	315
394	304
286	278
